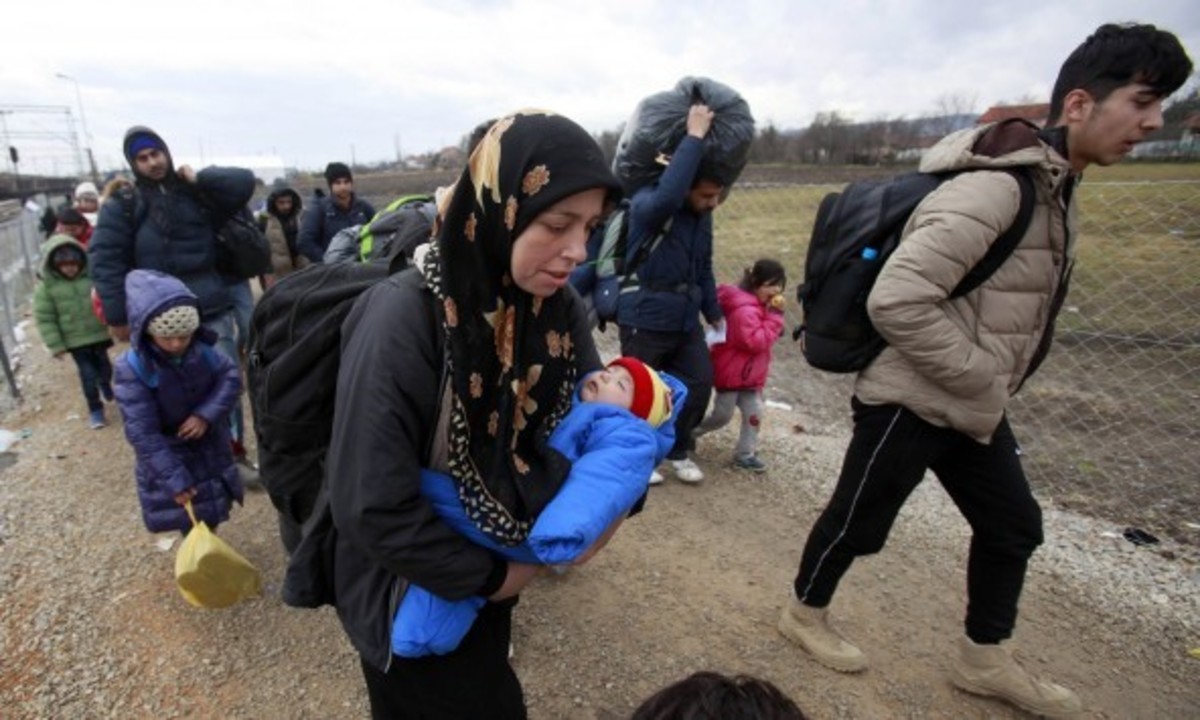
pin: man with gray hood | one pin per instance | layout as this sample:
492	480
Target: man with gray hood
168	222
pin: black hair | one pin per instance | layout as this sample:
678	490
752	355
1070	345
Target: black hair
712	696
764	272
71	216
336	171
1117	55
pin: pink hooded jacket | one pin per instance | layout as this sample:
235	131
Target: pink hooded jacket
743	360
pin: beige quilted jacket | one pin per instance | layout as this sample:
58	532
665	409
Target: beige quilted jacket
955	363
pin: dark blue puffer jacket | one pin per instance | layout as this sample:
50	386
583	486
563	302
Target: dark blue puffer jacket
168	230
326	219
676	281
156	401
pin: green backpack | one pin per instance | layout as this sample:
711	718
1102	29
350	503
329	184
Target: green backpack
400	227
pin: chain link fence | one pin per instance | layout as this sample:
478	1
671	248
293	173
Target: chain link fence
1110	426
19	241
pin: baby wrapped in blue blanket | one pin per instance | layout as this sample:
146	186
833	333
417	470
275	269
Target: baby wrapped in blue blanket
620	427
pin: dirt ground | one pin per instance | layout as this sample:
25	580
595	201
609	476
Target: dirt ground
92	626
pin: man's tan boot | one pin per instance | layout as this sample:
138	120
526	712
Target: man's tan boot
991	670
809	628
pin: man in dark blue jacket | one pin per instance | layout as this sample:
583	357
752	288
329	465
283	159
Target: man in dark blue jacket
659	314
329	215
168	222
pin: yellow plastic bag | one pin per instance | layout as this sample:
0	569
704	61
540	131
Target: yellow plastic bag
209	572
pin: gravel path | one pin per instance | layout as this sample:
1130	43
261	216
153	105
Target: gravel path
91	625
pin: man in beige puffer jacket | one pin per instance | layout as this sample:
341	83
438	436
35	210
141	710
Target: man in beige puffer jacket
935	398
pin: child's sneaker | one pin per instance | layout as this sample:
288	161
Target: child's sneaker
749	462
96	419
687	471
656	478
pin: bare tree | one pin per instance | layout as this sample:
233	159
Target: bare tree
768	146
826	141
947	108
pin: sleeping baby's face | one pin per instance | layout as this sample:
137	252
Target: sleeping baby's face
613	385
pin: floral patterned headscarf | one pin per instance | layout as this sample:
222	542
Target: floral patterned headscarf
510	358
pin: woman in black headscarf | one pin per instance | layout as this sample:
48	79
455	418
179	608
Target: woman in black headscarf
465	364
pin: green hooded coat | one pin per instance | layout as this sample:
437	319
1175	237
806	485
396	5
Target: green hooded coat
63	307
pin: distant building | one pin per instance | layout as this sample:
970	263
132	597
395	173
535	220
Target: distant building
1038	114
449	158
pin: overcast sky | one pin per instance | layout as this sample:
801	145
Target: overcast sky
314	82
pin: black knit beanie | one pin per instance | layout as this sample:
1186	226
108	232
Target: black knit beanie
337	171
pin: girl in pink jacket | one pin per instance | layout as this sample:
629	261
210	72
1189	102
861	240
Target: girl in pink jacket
754	322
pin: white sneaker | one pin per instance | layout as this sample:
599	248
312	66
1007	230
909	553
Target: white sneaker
656	478
687	471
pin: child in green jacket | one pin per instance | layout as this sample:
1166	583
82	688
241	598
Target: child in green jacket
62	306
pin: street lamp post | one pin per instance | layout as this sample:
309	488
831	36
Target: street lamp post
83	120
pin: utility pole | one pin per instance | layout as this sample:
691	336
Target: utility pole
87	136
4	122
13	158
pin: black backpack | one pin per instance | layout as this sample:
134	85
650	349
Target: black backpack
242	247
615	271
853	235
294	353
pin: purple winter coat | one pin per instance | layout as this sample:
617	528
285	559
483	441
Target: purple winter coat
202	382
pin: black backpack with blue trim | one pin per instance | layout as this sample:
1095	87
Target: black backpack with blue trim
855	232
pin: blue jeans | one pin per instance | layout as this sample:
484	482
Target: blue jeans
243	306
95	373
223	326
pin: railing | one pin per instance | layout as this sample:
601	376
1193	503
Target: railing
19	256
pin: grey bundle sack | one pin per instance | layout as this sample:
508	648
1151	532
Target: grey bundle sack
659	123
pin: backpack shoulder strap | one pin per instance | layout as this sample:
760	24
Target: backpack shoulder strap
646	249
149	379
129	198
1007	242
438	446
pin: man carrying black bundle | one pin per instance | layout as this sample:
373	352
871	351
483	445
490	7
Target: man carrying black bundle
659	312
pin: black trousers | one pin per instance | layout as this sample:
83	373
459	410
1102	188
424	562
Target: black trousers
888	455
95	373
684	355
474	681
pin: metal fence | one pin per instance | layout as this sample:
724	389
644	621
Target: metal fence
19	241
1110	425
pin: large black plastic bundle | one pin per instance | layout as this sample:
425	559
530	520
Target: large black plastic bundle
659	123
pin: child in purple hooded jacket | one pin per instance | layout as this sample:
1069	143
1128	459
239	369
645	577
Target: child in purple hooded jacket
175	391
